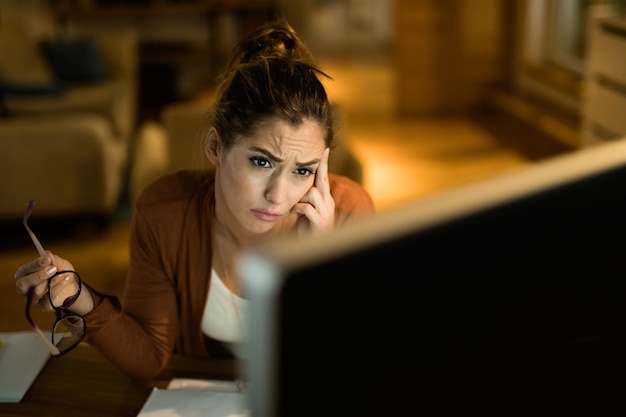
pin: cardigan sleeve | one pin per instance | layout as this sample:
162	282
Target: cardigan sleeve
138	338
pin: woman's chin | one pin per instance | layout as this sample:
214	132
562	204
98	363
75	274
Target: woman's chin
264	227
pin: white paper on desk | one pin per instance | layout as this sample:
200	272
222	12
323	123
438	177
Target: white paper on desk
196	398
22	356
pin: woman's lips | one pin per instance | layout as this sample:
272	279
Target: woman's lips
268	216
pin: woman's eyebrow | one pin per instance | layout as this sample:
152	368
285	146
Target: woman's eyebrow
307	164
274	158
267	153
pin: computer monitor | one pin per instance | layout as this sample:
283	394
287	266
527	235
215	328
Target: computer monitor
504	297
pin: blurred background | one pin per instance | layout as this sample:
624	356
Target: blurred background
100	97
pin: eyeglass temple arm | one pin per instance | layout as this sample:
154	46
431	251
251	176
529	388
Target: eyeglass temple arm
29	208
53	349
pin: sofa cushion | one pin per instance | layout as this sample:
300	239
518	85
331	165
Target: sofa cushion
75	59
99	97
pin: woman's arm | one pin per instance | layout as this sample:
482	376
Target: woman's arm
138	337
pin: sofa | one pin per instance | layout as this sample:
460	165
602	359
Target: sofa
67	119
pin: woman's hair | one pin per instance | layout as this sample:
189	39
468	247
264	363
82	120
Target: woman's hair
271	74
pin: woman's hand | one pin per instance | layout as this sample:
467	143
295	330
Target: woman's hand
316	209
37	273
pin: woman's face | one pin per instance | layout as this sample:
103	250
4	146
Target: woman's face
261	178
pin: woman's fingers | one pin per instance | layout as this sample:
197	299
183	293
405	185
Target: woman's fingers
60	263
317	207
33	266
34	274
314	203
62	287
322	183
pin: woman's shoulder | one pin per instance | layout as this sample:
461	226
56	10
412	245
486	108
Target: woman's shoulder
349	196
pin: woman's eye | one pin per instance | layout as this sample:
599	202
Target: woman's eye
304	172
260	162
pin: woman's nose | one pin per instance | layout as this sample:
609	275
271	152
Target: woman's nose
276	190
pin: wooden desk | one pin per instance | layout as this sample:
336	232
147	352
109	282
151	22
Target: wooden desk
82	383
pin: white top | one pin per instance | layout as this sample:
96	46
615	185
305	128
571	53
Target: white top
224	315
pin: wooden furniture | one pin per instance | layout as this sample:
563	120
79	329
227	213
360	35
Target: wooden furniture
605	95
82	383
183	44
170	43
445	54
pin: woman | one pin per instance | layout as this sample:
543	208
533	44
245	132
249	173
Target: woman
269	143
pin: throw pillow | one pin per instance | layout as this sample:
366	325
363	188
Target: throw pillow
75	60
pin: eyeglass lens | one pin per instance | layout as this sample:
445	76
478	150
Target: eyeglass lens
68	332
63	289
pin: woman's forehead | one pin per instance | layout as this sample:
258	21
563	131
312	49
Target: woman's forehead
279	136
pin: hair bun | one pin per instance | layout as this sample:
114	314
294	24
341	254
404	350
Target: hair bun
272	40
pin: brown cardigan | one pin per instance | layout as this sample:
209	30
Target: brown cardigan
170	264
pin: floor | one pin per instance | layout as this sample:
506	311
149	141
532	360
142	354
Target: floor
403	160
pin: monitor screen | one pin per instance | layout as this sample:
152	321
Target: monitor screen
501	298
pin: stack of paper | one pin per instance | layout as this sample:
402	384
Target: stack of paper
22	356
193	397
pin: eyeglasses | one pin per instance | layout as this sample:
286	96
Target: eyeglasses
69	328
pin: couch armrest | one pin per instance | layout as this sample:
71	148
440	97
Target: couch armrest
71	164
151	158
